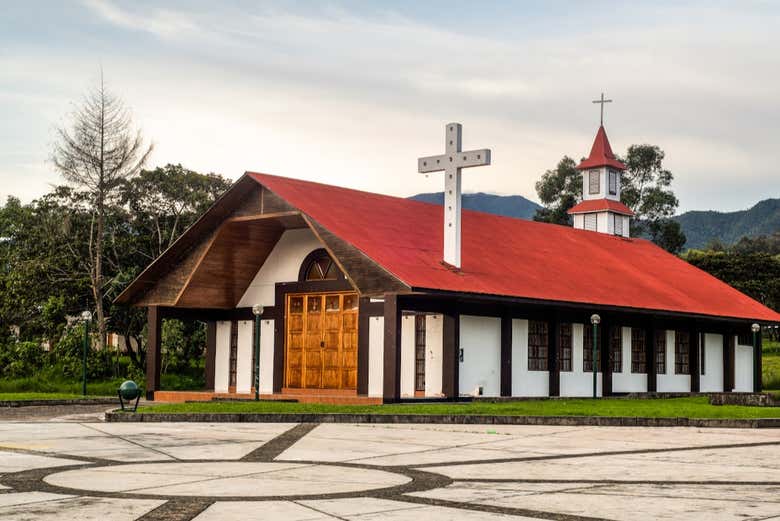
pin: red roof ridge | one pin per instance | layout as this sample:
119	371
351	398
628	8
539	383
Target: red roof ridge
601	153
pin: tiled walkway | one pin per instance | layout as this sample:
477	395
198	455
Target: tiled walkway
85	469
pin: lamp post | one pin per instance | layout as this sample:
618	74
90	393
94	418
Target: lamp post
257	310
86	316
595	320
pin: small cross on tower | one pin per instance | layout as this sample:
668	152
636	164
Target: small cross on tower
602	101
451	163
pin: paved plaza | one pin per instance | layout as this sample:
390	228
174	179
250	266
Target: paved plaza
74	466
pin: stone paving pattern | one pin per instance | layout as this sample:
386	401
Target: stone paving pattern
71	465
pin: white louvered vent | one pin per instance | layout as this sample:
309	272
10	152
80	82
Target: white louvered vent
591	222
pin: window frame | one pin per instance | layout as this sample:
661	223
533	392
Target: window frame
660	351
594	174
612	181
616	349
638	356
565	346
538	345
682	353
587	349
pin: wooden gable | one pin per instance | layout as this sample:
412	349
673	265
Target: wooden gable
213	263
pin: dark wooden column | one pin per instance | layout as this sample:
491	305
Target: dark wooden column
695	344
757	360
728	361
553	365
506	355
211	353
450	371
605	333
153	354
651	342
363	345
392	349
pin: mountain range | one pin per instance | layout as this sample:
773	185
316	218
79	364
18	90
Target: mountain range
700	227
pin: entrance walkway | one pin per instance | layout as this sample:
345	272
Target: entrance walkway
92	470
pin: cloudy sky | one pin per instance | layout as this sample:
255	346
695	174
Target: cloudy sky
351	93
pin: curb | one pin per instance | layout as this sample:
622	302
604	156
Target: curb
75	401
622	421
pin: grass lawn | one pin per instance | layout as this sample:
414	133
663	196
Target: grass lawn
697	407
19	397
771	365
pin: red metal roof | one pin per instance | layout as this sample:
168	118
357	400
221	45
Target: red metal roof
597	205
601	153
512	257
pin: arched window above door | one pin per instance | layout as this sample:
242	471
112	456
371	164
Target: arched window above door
319	266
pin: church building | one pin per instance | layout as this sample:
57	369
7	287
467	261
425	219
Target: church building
367	298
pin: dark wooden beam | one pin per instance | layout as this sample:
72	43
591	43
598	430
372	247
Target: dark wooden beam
280	330
211	353
651	339
695	343
153	351
553	365
506	355
450	374
605	334
757	360
392	349
364	315
728	360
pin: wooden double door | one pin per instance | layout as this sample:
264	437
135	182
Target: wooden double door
322	341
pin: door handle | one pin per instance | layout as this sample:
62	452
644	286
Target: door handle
322	343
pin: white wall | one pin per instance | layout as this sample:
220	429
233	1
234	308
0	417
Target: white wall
480	340
244	359
407	356
376	356
222	357
670	382
267	356
525	382
743	368
577	382
579	221
625	381
604	224
434	338
282	265
712	379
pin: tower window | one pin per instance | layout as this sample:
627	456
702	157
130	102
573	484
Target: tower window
613	182
594	178
618	224
591	222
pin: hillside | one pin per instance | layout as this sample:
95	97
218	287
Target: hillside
701	227
508	205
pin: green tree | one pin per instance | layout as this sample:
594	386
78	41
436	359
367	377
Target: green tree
559	190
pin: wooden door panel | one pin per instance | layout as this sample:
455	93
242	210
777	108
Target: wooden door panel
312	357
321	347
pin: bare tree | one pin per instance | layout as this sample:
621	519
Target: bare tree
95	154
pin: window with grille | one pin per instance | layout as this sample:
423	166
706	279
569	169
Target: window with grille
660	351
682	352
618	227
593	181
233	352
419	353
638	351
537	345
616	349
564	347
745	339
613	182
591	222
587	349
322	267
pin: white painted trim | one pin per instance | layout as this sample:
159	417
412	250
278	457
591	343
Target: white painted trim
244	357
376	356
525	382
712	379
577	382
670	382
743	368
625	381
480	342
222	357
267	356
407	356
434	338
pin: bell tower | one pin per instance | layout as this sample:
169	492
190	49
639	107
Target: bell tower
601	209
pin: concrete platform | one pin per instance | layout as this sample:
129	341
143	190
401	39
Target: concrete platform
217	471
